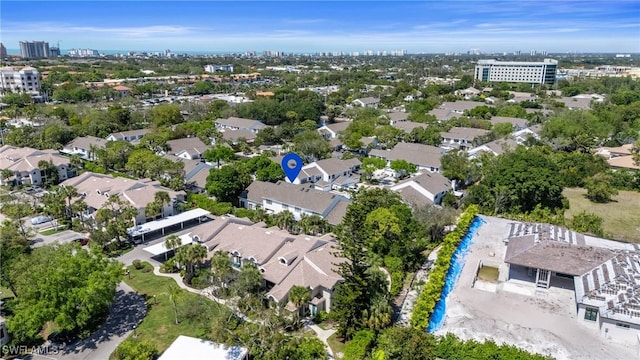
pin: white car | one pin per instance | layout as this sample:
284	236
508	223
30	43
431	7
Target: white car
40	220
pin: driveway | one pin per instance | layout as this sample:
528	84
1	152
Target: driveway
61	237
139	253
127	311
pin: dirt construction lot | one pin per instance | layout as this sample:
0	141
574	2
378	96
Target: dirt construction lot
516	313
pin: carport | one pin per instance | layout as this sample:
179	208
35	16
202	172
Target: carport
162	224
160	248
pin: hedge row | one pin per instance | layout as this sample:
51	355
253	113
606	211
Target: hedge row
432	290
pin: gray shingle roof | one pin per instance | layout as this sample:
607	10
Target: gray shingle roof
418	154
85	142
241	123
301	196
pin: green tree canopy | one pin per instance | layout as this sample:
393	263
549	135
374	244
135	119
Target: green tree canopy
52	288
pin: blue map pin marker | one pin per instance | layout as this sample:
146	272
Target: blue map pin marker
289	170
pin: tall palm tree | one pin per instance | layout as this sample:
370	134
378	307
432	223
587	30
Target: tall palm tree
175	295
162	198
221	268
299	296
171	242
69	193
284	220
191	255
78	208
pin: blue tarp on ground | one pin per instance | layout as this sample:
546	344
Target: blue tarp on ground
457	264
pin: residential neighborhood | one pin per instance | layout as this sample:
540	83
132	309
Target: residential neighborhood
450	205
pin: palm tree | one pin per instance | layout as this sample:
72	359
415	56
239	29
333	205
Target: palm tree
221	268
379	315
284	220
69	193
299	296
190	256
171	243
76	161
175	295
162	198
5	174
79	207
152	210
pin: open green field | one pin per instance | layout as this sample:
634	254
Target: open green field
159	327
621	216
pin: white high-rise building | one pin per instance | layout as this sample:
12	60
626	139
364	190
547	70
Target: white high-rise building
25	80
83	53
517	71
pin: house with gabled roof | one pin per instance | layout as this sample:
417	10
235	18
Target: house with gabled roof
129	136
425	157
297	199
371	102
331	131
95	189
191	148
468	93
84	146
448	110
332	173
496	147
285	260
518	123
409	126
314	269
396	116
461	137
424	189
22	162
235	123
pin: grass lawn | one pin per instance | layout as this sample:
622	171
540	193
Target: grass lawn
159	327
621	216
54	230
336	345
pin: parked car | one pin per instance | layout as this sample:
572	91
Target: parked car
40	220
33	188
81	241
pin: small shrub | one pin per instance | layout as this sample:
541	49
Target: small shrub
320	317
138	264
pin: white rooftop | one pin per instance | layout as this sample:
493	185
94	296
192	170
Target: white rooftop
186	347
160	248
166	222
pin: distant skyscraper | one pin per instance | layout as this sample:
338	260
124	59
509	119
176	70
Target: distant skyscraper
34	49
3	51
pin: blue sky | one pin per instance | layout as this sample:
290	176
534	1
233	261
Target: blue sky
307	26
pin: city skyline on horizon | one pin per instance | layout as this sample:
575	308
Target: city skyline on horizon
328	26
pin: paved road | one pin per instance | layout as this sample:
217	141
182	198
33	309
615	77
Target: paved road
61	237
128	310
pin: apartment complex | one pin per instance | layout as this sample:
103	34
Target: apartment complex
517	71
22	165
34	49
83	53
18	80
